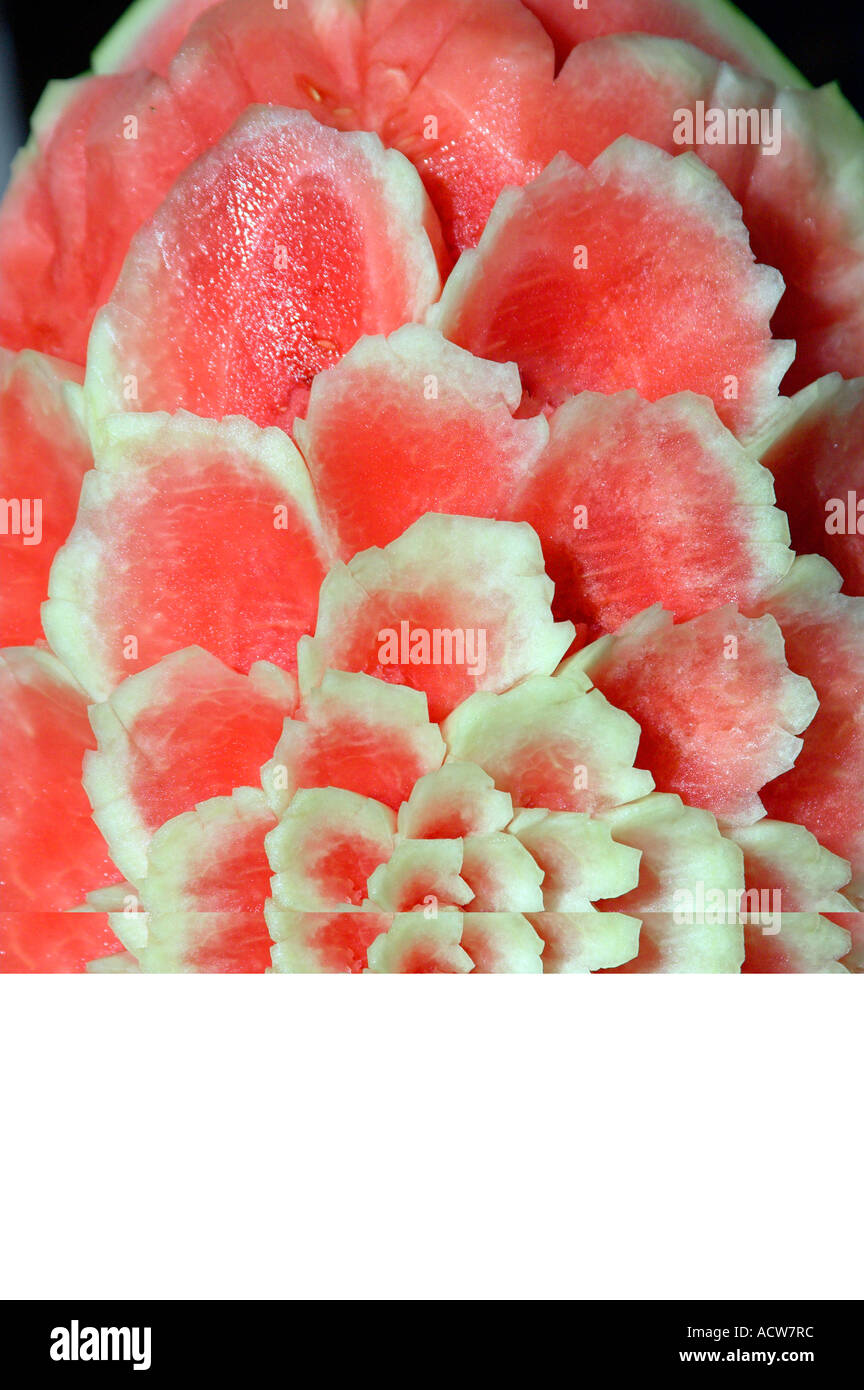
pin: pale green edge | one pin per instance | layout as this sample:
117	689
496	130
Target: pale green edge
744	34
111	54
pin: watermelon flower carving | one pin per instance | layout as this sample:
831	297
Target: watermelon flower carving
431	475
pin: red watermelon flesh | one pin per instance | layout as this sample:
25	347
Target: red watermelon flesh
799	192
453	605
54	943
182	731
715	752
557	286
712	25
461	89
817	459
44	454
188	533
824	634
53	854
296	240
637	503
358	733
443	421
106	150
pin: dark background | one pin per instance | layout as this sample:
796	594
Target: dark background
53	38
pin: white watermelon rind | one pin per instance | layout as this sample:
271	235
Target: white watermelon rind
583	855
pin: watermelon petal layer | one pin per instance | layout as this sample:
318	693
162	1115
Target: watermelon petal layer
824	634
686	865
502	875
362	734
502	943
296	241
53	854
580	860
552	287
713	25
207	881
794	160
421	875
788	864
695	508
322	943
44	454
720	754
550	743
576	943
459	799
326	847
398	613
440	418
668	946
183	731
415	945
188	532
816	454
795	943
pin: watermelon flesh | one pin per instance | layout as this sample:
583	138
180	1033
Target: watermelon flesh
182	731
822	630
207	881
799	190
257	294
714	26
435	791
53	854
693	505
357	733
44	454
443	419
188	533
398	613
400	71
55	943
816	454
717	756
550	287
